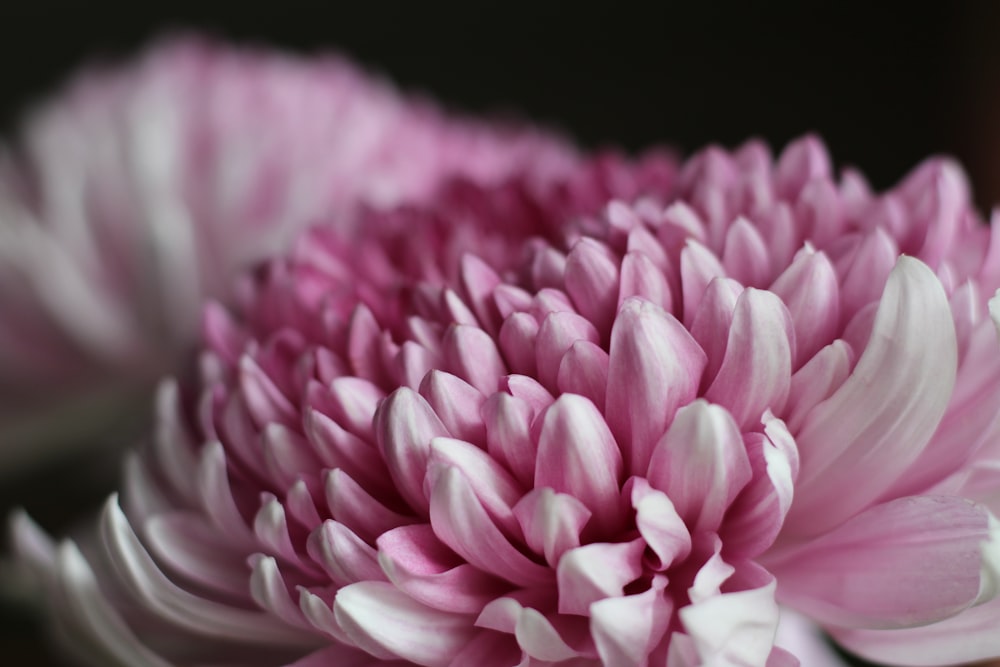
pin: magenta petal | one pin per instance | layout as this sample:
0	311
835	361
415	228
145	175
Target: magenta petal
701	464
350	504
876	424
699	267
641	277
756	372
388	623
418	564
460	521
578	455
405	425
655	367
908	562
517	342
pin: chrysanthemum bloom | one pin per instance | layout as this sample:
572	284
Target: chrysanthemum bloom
140	191
623	443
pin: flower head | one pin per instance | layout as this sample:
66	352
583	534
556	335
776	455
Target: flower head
623	441
142	190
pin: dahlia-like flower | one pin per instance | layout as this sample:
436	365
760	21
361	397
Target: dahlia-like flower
141	190
630	440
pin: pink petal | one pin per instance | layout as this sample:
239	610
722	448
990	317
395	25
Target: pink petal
551	522
816	381
809	289
745	257
659	524
388	623
584	371
460	521
471	353
756	372
641	277
699	267
655	367
405	425
456	403
508	435
558	333
429	572
802	161
625	629
344	556
876	424
578	455
734	628
352	505
596	571
908	562
517	342
712	322
592	282
701	464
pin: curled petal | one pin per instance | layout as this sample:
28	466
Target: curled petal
390	624
876	424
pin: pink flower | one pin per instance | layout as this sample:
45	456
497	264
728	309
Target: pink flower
625	441
142	190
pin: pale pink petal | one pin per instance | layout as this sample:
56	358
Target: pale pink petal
344	556
457	405
592	282
809	290
584	371
625	629
471	353
508	435
551	522
866	434
388	623
596	571
659	524
908	562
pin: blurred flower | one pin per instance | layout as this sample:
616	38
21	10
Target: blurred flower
141	190
624	441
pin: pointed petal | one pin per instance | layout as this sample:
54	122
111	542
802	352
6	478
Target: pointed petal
655	367
508	435
456	403
701	464
659	524
584	371
471	353
809	289
558	333
344	556
756	372
578	455
460	521
405	424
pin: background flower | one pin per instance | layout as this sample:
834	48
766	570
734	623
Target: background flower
623	441
142	189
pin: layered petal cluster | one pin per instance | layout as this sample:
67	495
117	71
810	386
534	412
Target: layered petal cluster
142	190
624	441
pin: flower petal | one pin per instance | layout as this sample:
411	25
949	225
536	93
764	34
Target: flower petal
868	432
655	367
390	624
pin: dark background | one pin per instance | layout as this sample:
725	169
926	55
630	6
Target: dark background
884	85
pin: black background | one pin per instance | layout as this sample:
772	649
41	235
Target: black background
884	85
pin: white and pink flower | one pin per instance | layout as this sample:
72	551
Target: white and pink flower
554	434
